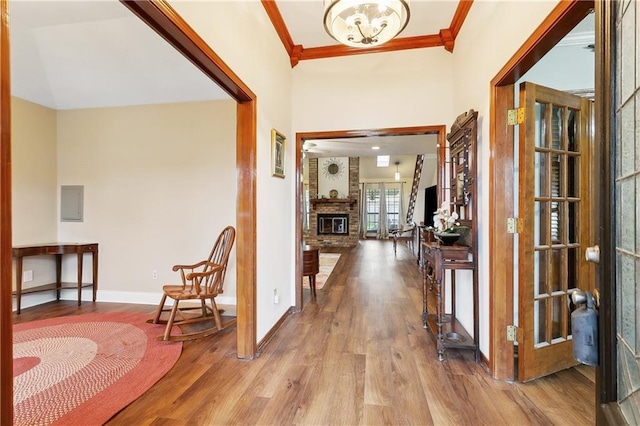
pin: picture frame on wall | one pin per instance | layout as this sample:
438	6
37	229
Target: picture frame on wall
278	145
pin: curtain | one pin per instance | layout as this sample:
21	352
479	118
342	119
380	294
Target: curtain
401	213
363	212
383	232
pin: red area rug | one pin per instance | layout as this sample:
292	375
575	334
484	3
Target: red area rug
83	369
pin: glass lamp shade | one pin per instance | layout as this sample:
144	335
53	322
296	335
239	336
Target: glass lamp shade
365	23
397	175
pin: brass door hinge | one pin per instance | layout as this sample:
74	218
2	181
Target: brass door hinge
515	116
515	225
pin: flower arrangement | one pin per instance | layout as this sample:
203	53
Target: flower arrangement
444	221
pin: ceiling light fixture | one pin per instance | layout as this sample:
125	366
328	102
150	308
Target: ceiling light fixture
397	176
365	23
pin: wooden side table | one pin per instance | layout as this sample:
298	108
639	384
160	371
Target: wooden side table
449	332
57	249
311	265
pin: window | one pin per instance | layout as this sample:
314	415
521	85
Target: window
393	209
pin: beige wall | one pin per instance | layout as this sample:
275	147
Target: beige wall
156	189
33	172
156	192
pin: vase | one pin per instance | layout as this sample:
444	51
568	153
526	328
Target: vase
447	238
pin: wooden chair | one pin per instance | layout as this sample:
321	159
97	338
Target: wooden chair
201	281
407	234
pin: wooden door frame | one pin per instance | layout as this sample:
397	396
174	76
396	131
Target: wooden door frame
168	24
564	17
439	130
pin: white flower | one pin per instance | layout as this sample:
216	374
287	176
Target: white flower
443	221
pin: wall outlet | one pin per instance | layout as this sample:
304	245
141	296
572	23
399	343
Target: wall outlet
276	298
154	274
27	276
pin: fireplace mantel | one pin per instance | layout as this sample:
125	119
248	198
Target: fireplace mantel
350	201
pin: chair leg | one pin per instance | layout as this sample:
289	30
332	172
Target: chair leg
172	316
216	314
156	319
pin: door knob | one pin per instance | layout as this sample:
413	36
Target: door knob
592	254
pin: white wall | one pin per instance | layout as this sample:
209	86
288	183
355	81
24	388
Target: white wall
478	56
259	59
394	89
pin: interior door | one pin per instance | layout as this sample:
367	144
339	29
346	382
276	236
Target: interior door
555	213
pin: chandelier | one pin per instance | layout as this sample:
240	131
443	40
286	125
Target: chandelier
365	23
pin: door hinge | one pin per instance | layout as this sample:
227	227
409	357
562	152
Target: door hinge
515	116
512	333
515	225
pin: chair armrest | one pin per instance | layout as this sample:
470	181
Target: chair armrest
214	268
195	265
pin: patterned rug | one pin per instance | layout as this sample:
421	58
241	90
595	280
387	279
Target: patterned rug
327	263
83	369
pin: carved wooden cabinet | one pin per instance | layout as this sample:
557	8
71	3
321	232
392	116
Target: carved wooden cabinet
441	264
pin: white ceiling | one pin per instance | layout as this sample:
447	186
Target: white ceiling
304	20
88	54
96	53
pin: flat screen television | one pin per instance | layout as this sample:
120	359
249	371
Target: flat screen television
430	204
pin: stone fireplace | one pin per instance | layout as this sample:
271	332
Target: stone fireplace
334	219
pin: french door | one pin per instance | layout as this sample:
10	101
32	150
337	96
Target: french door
555	210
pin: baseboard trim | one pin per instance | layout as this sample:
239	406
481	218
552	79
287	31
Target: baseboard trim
267	337
132	297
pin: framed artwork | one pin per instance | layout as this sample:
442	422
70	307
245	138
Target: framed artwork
278	142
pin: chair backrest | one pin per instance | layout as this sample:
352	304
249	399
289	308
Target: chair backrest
220	255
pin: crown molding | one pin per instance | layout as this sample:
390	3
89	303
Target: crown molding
445	38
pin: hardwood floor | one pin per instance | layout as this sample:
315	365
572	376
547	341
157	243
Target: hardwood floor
356	356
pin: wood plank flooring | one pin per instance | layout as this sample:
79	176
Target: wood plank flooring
358	355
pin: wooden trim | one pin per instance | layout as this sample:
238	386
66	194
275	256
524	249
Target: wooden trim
395	44
459	17
246	246
607	408
6	315
440	130
267	337
559	22
165	21
562	19
298	224
501	202
278	23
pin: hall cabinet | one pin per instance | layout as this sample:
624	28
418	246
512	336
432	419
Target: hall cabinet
443	265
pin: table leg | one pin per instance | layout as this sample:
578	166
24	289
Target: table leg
312	284
95	274
18	282
58	275
425	312
441	316
80	256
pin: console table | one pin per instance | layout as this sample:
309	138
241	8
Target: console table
57	249
437	259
